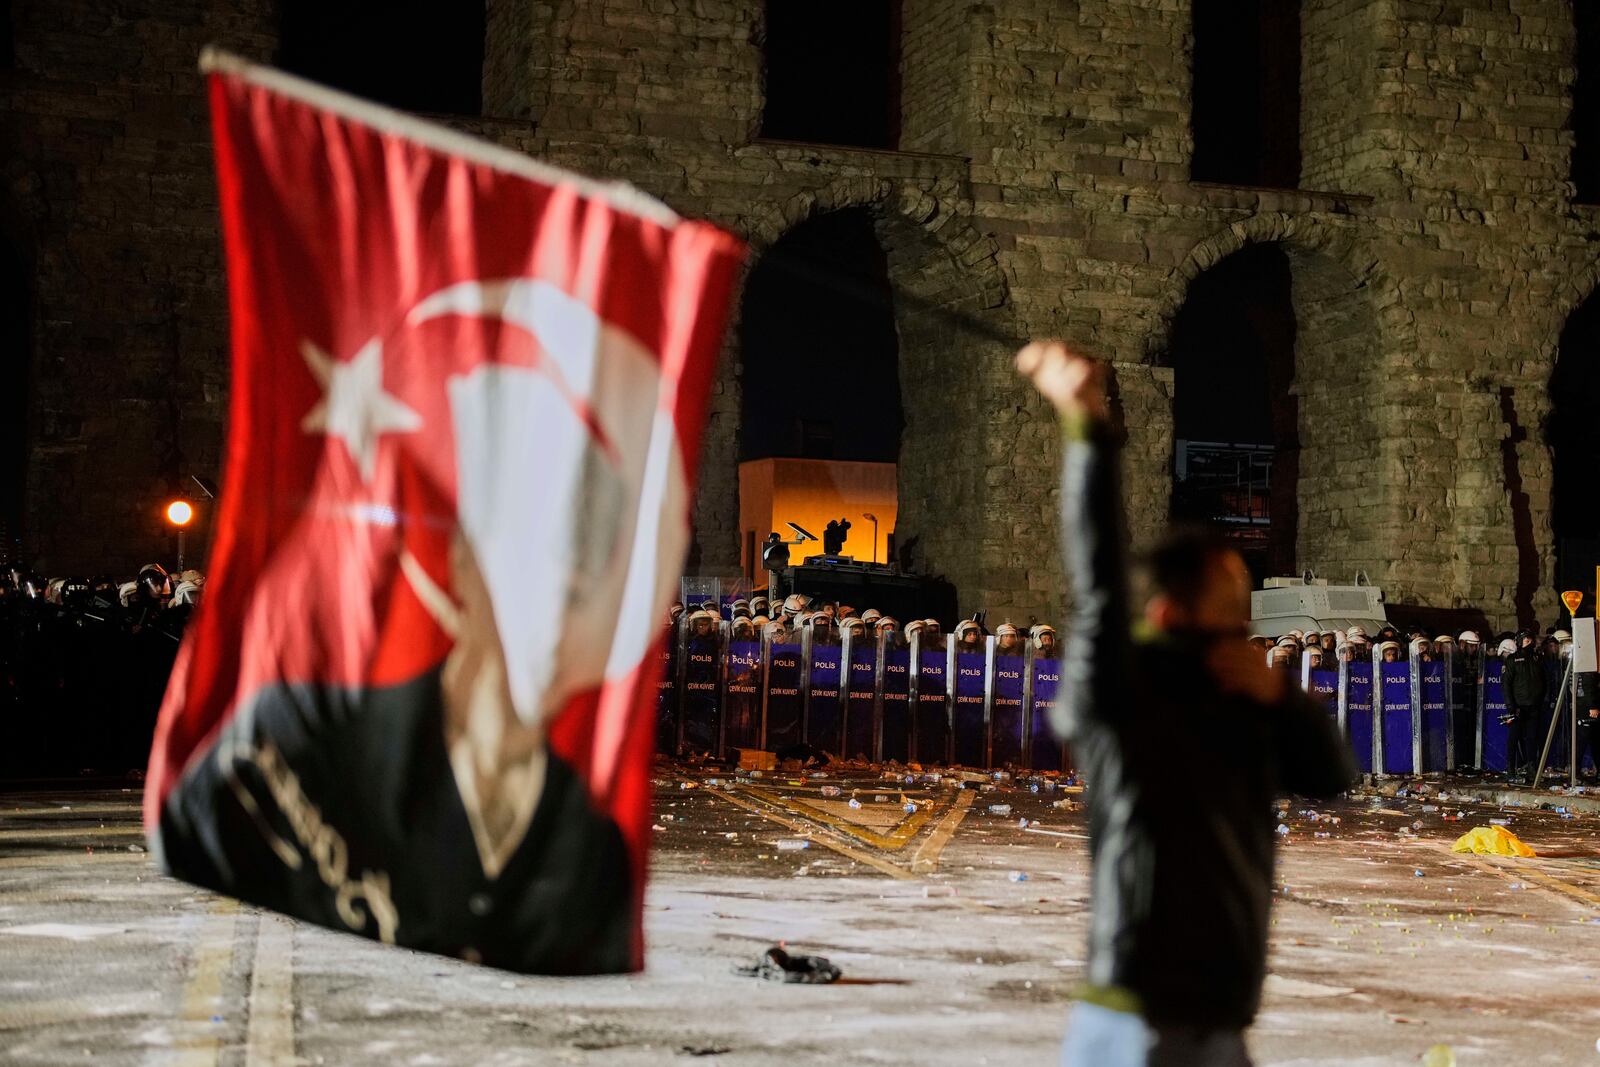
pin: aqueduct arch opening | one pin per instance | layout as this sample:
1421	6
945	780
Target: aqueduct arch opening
927	286
1294	335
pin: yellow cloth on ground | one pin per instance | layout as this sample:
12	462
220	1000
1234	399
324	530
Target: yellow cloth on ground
1491	841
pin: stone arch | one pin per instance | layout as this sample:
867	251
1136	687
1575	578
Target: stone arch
1307	239
933	213
940	266
1349	323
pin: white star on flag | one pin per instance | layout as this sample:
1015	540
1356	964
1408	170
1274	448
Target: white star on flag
354	407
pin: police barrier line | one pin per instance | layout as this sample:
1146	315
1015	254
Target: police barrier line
1432	715
922	699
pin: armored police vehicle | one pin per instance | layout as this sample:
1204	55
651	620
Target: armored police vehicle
1309	603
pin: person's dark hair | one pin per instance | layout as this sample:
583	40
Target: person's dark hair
1177	565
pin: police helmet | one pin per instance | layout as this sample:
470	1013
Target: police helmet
886	623
1469	637
871	616
1562	635
916	626
1507	647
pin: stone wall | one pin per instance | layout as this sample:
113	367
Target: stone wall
105	164
1045	191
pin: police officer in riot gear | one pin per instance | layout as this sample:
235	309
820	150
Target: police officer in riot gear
1007	640
969	635
1525	690
1044	640
1588	684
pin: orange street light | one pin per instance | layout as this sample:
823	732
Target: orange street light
180	513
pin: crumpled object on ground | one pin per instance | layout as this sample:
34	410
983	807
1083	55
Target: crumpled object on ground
1491	841
776	965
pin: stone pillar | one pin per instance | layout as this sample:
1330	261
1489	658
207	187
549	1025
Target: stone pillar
1454	101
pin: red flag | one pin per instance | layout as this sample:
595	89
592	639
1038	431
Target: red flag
467	399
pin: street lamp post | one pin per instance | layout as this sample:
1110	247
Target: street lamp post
874	521
180	513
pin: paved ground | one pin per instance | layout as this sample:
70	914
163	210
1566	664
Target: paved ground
1384	943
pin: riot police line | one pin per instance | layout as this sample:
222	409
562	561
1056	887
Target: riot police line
875	694
960	699
1433	713
83	667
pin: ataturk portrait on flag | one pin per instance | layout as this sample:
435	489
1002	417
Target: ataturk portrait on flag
466	403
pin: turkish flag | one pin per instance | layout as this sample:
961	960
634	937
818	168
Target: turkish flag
467	398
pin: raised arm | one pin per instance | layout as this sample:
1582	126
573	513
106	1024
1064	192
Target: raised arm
1094	667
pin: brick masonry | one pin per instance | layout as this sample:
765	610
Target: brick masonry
1044	190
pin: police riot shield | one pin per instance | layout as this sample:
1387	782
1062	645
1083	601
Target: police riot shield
894	721
699	727
1320	682
1006	718
668	688
1393	730
930	723
1430	744
1356	693
730	591
1491	741
741	691
701	594
1044	679
823	682
784	719
860	652
970	702
1465	674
